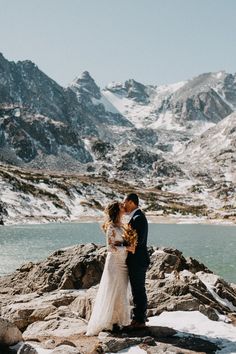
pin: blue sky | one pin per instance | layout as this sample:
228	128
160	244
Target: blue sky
151	41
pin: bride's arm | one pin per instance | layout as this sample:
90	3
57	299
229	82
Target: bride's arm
110	236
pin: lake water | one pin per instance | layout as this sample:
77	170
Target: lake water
213	245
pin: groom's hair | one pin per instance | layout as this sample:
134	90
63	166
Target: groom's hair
133	197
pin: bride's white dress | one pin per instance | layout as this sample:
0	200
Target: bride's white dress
112	301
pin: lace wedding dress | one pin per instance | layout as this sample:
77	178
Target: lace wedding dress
112	301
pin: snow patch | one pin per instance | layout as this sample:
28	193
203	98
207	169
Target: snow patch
193	322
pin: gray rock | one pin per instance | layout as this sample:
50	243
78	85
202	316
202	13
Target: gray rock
26	348
115	345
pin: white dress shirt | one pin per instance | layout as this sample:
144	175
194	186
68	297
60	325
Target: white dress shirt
130	215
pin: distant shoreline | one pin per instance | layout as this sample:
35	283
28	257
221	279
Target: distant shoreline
159	219
152	219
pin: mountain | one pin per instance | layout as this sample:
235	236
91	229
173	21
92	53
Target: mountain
177	138
51	122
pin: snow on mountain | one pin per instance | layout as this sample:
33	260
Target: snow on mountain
141	112
215	149
178	138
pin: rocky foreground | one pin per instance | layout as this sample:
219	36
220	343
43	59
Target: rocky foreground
47	304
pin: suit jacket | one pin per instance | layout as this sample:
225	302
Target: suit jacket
139	223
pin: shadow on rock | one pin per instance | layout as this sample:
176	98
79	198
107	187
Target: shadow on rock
191	342
172	338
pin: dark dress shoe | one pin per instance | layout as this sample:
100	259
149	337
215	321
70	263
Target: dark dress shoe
115	328
139	325
135	325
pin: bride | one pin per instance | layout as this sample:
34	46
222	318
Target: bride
111	305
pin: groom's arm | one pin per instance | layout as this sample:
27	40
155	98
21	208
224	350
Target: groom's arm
140	225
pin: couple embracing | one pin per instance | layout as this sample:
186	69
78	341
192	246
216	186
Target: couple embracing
125	263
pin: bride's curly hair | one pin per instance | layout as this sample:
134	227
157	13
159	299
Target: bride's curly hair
112	213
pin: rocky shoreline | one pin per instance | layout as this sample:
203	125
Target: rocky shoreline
47	304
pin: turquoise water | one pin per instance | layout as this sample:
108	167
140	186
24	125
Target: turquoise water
211	244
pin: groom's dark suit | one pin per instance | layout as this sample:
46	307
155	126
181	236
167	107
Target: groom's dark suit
137	265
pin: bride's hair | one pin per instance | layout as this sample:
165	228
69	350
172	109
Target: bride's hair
112	212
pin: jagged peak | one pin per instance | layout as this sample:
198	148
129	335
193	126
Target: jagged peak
86	75
202	83
83	77
132	82
116	85
86	84
27	63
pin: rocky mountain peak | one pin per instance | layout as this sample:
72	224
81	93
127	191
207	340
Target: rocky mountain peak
201	99
85	84
26	64
137	91
130	89
201	83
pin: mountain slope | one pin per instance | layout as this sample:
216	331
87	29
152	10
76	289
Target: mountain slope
177	138
215	149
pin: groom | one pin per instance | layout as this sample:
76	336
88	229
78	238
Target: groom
138	262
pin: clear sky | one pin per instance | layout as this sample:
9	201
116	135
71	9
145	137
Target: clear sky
151	41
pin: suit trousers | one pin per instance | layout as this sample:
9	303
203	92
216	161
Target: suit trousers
137	275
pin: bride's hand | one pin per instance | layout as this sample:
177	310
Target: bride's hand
130	249
118	243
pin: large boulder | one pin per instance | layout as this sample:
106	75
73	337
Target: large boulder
57	327
22	310
78	267
9	333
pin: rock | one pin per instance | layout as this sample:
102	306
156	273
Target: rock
9	333
82	305
74	268
25	309
114	345
26	348
149	341
209	312
62	349
67	342
40	314
60	327
98	349
175	283
49	344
